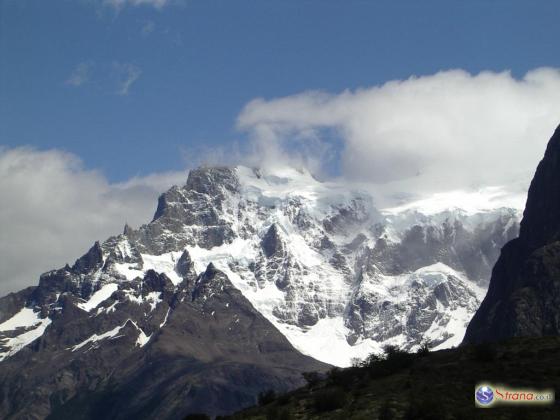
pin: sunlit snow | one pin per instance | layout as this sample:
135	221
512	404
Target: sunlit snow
33	326
99	297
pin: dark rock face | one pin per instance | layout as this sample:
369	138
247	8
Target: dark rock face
211	181
93	259
190	215
185	267
524	294
272	243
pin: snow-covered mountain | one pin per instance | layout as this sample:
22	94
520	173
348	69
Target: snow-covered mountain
338	277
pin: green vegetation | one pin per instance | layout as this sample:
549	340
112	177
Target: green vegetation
329	399
422	385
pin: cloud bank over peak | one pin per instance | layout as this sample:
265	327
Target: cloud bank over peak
450	130
55	209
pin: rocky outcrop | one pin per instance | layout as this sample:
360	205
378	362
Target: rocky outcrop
272	243
523	298
92	260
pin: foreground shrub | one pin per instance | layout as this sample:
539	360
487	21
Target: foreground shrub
484	353
424	350
283	399
277	413
371	360
329	399
386	412
344	378
397	359
426	409
393	360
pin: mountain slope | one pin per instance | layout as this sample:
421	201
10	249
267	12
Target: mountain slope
524	293
201	347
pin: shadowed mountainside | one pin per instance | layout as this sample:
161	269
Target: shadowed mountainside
523	298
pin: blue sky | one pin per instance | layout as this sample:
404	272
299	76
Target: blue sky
193	65
104	103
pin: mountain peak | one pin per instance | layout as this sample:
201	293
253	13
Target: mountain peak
206	180
91	260
541	218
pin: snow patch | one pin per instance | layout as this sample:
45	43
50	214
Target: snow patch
152	298
165	319
99	297
454	330
142	339
326	341
161	264
35	328
95	338
26	318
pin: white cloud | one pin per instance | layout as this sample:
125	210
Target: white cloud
126	75
81	74
55	209
445	131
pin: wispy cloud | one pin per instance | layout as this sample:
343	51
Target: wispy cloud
116	77
126	75
121	4
81	74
